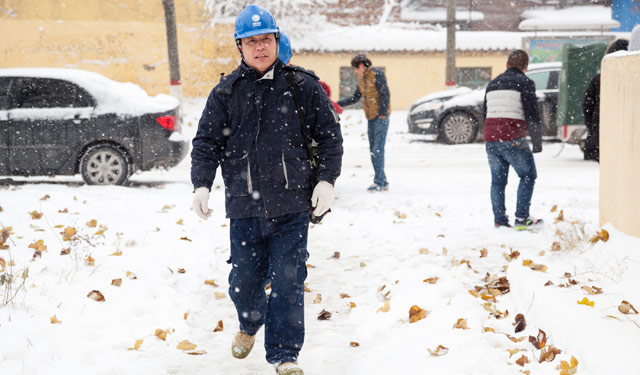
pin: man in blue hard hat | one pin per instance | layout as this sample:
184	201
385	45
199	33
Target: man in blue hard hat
255	127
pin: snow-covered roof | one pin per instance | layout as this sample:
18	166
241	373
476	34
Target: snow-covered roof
397	38
438	15
591	17
393	37
111	96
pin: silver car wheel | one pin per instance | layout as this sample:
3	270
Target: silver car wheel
104	165
459	128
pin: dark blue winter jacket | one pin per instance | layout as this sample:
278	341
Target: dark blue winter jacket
250	128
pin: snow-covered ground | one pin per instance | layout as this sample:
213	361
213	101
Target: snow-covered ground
434	222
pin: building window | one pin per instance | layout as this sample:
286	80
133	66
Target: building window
474	77
349	82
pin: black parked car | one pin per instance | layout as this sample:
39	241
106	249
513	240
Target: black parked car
455	116
67	121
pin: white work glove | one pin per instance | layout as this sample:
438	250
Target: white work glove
201	202
322	198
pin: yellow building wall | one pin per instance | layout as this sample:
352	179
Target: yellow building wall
125	40
620	143
409	75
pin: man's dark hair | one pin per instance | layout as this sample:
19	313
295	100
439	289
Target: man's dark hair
360	59
518	59
617	45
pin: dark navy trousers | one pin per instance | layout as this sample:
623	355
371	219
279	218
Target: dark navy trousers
275	250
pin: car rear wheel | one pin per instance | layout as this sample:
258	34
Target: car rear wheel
104	164
458	127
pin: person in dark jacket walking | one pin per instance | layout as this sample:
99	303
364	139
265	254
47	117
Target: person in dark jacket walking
372	87
251	127
510	111
591	107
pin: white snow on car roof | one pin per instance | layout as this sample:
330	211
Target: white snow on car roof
444	93
111	96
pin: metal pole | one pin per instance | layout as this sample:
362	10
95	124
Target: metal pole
172	45
451	44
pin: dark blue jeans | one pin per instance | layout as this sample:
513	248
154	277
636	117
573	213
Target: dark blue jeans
517	154
377	130
271	249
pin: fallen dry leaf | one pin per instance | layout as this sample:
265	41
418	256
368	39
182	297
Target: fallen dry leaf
324	315
445	251
585	301
90	261
137	345
554	208
65	251
384	308
219	326
400	215
336	255
54	320
489	329
46	196
38	245
35	215
318	298
520	323
96	296
197	352
116	282
483	253
352	305
116	253
625	307
431	280
522	360
354	344
592	290
101	231
540	341
416	313
569	368
3	265
549	355
461	324
344	295
514	351
602	235
161	334
440	350
69	233
186	345
556	246
560	217
92	223
130	275
180	222
423	251
185	239
211	282
219	295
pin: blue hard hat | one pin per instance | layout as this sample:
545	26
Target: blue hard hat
254	20
285	49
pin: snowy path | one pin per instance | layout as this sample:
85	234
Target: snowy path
439	201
